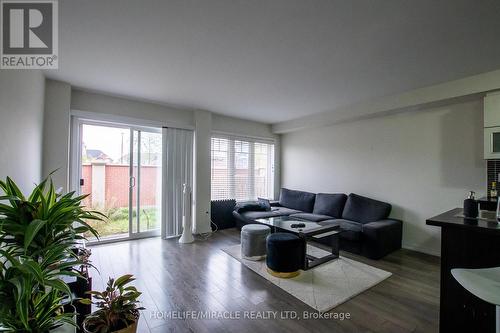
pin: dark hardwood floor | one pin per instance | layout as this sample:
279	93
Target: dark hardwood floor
200	277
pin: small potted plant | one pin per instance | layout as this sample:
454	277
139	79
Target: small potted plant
118	308
84	280
82	284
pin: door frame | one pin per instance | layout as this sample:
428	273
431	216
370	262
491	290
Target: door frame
75	157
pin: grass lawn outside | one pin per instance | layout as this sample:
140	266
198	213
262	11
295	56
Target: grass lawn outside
117	221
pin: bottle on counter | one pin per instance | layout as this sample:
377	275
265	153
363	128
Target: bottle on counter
471	206
493	191
498	211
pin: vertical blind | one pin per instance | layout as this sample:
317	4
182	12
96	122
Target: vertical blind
242	169
178	170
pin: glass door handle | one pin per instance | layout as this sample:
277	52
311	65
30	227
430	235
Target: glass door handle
132	182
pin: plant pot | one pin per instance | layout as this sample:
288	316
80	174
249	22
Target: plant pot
132	328
67	328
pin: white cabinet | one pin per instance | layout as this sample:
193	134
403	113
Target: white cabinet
492	110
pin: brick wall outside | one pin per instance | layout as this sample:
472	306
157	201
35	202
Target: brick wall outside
87	187
117	185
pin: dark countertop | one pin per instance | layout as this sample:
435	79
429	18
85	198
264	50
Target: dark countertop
488	199
450	219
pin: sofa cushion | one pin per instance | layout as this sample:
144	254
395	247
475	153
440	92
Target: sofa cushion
265	203
300	200
330	204
281	211
365	210
245	206
277	211
253	215
350	230
311	217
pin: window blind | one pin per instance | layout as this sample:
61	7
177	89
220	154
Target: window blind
242	169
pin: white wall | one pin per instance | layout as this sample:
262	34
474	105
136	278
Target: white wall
241	127
124	107
202	175
56	129
21	126
468	86
422	162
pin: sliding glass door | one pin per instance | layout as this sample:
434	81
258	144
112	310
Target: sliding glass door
145	191
119	167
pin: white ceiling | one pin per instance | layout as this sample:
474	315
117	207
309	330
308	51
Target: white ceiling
273	60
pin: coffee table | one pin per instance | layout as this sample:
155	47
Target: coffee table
312	231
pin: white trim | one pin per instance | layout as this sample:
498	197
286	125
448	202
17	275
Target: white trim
231	176
153	129
121	239
128	121
75	171
227	135
489	132
75	155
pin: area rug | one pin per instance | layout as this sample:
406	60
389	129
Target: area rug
325	286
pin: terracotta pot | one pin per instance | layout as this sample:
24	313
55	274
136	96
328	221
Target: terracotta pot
131	329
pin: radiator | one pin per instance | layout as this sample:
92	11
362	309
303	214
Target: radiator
222	213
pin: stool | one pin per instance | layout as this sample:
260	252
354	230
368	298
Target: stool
253	241
483	283
285	254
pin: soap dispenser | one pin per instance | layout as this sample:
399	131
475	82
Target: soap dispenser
471	206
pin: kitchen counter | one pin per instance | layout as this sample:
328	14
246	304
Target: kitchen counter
465	243
453	218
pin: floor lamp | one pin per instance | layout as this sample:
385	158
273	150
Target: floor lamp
187	233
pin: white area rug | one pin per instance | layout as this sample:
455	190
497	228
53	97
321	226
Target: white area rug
325	286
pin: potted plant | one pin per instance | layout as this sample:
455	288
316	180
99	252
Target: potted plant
37	233
118	309
82	284
43	221
33	298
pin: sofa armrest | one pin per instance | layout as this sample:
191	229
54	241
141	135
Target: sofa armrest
274	203
382	237
240	220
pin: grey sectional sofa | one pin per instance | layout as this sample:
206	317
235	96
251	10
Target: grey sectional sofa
367	228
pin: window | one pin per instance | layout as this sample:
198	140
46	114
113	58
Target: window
242	169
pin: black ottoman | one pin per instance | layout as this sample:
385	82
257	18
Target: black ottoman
285	254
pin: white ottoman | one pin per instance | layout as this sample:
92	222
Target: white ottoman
253	241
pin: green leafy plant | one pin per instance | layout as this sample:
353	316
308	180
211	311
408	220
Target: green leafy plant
43	221
37	234
33	298
117	306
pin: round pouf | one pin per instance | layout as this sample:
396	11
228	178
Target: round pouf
285	255
253	241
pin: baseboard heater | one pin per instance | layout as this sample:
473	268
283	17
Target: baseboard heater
222	213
